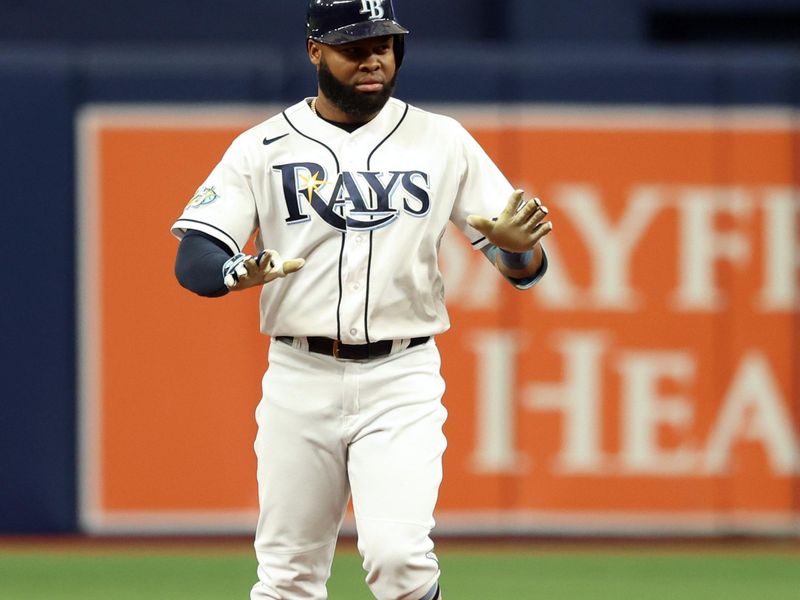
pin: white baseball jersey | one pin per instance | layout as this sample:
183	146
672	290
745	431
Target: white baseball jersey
366	210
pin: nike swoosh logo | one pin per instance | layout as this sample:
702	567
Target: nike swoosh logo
268	141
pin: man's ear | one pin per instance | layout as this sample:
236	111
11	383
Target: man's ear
314	51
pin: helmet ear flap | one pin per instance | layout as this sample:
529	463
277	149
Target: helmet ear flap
399	49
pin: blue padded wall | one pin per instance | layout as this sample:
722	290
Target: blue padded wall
37	411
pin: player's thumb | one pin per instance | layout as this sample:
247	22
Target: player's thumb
293	265
482	224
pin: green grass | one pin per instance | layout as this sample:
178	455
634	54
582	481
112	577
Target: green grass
477	574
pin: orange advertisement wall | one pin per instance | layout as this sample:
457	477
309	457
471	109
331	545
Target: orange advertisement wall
648	383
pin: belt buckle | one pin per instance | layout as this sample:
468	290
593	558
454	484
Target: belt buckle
335	348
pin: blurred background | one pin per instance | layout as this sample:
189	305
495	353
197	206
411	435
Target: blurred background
655	388
645	393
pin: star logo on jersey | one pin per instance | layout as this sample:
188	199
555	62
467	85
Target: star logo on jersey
202	197
312	184
361	200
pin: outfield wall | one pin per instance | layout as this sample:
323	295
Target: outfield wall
654	381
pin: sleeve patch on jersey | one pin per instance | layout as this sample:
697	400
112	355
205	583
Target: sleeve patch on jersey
202	197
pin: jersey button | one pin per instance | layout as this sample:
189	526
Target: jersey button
356	286
353	331
359	239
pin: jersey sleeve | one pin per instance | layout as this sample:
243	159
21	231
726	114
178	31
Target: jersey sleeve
483	189
223	206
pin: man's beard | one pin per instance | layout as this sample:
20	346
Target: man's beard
348	99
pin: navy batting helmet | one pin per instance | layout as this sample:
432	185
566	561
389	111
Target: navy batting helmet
341	21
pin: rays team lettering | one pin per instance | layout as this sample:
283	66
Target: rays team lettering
374	8
364	200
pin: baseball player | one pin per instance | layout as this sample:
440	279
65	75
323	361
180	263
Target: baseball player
348	195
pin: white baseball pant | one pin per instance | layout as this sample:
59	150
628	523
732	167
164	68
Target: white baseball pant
328	428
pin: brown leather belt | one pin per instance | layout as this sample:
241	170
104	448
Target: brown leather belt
331	347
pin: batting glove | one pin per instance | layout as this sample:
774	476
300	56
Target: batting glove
518	228
243	271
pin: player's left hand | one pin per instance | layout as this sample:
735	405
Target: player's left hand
244	271
518	228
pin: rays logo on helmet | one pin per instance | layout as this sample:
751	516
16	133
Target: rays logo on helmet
203	196
374	8
302	183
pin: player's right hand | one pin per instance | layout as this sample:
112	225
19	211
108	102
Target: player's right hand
244	271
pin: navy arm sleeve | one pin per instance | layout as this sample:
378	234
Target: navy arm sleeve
198	265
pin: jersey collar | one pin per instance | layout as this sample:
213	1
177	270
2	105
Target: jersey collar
308	123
